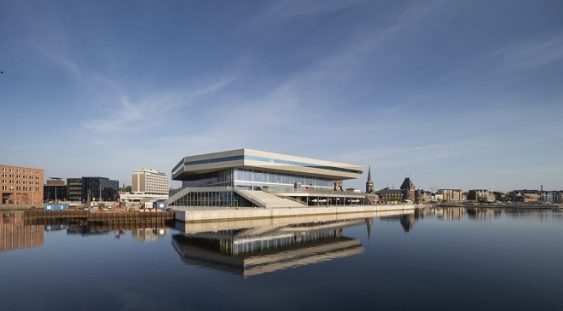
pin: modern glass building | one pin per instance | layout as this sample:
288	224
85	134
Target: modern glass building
74	189
246	177
54	190
88	189
99	189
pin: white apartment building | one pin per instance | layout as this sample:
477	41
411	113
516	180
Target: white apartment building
151	182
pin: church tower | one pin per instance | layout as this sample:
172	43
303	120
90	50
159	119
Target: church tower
408	188
369	183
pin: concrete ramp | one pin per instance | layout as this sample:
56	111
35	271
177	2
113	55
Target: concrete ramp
177	195
268	200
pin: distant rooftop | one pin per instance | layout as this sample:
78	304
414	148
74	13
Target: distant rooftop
148	170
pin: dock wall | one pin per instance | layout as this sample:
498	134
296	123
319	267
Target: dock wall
201	214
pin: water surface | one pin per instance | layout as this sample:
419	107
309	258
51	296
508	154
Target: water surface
453	258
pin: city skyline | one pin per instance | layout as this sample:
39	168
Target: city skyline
463	95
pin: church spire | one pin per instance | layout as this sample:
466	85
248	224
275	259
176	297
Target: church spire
369	182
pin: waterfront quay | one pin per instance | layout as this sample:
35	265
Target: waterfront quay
240	184
37	216
196	214
262	225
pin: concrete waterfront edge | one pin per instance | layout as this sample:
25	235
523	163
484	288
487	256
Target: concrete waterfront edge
206	214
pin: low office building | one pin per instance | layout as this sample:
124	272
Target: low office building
525	196
151	182
21	185
54	190
536	196
554	197
140	199
422	196
246	177
391	195
74	189
451	195
480	195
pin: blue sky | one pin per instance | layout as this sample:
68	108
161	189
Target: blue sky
455	93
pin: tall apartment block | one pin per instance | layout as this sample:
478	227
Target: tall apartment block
147	181
21	185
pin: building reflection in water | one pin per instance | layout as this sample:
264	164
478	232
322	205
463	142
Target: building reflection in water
56	227
443	213
448	213
16	234
407	221
147	235
144	232
483	213
252	251
455	214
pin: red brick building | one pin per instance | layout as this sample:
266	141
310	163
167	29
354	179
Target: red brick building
21	185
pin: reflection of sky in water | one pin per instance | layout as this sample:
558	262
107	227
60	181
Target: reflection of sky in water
454	259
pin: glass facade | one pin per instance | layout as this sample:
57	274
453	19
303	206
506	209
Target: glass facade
74	189
221	178
212	179
218	198
243	179
99	189
268	244
184	163
265	244
295	163
256	179
54	192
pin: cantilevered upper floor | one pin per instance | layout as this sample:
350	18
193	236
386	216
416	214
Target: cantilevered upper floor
265	161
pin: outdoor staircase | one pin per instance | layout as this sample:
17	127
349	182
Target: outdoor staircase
267	200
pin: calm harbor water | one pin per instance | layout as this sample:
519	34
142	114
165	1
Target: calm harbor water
452	258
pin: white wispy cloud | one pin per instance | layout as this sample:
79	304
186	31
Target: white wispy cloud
299	110
59	56
531	53
130	116
124	108
396	156
291	8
